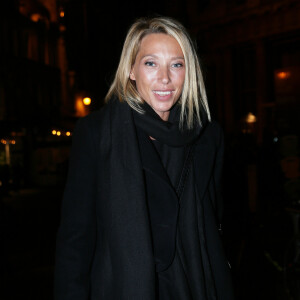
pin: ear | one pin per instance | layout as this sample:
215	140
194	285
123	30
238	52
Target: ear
131	75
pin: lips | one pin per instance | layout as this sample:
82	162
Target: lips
163	93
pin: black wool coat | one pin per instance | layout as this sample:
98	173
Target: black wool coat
104	247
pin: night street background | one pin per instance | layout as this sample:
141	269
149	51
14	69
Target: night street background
56	53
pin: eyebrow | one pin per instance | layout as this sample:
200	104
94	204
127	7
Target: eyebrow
155	56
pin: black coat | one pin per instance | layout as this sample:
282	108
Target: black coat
104	247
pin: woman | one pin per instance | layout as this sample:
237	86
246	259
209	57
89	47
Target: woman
140	213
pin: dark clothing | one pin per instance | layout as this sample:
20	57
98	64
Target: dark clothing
104	246
172	160
162	202
168	132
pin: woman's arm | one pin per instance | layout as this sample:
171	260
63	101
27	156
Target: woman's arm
218	172
77	233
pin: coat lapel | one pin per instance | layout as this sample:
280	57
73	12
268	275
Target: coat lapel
130	240
150	159
131	157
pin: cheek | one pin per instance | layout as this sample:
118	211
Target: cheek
144	80
180	79
178	75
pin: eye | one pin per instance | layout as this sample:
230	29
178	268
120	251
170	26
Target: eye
150	63
177	65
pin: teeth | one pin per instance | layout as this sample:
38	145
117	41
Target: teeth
162	93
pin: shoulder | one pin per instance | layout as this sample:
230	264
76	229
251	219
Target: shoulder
111	111
95	118
213	128
97	121
91	129
212	133
99	125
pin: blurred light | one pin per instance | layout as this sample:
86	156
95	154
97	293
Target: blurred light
87	101
3	142
62	28
68	133
58	133
61	13
283	75
35	17
13	142
250	118
54	132
80	108
275	140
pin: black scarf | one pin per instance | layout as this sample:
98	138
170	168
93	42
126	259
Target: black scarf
166	132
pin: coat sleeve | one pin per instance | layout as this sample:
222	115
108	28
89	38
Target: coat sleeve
218	172
77	231
217	175
213	211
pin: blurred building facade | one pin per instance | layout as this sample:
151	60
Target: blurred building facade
252	50
251	53
36	93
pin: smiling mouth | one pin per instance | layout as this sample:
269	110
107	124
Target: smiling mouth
162	93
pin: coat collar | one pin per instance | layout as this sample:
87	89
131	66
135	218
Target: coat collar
150	159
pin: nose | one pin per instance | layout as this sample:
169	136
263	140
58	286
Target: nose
164	75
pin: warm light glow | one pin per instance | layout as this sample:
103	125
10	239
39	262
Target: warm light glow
283	75
80	108
3	141
54	132
87	101
61	13
250	118
62	28
68	133
13	142
58	133
35	17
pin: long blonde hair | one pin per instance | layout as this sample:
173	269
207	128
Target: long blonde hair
193	97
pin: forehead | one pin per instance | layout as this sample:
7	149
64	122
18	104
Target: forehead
155	42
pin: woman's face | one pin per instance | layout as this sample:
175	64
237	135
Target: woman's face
159	72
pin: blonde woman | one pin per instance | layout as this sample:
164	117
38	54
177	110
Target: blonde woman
141	208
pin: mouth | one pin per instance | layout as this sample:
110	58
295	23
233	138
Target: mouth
163	93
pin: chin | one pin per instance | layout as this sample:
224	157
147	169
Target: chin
162	110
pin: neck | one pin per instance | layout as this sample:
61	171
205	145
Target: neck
164	115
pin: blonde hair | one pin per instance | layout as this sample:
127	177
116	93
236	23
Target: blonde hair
193	96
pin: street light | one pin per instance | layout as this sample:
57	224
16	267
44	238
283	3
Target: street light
87	101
